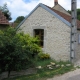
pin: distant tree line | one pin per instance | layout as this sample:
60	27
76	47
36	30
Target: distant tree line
78	13
19	19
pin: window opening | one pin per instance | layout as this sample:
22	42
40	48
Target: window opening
40	34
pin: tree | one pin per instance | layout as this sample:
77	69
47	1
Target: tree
78	13
17	51
6	12
19	19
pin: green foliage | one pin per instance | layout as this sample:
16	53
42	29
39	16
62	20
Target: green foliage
17	51
19	19
44	72
6	12
43	56
69	11
78	13
30	42
43	63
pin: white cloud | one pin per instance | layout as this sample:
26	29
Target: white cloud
23	7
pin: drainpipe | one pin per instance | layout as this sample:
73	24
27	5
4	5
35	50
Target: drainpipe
73	29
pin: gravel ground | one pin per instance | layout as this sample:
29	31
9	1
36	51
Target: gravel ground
73	75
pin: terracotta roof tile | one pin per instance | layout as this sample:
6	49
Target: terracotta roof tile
3	19
65	16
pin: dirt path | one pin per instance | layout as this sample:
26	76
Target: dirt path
73	75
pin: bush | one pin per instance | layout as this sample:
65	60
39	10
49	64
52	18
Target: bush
17	51
43	56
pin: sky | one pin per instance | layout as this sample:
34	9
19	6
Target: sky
24	7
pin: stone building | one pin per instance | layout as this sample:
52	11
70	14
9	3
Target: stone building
3	21
53	26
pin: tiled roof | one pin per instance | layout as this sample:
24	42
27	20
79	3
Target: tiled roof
65	16
3	19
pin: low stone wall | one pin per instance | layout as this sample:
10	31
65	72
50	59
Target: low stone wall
20	73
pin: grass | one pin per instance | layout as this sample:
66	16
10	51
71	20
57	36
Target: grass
45	72
43	62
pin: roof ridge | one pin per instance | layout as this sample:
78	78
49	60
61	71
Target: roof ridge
62	16
65	16
55	10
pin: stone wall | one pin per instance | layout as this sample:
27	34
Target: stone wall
56	33
19	73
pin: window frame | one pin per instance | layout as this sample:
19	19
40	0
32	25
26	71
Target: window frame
40	34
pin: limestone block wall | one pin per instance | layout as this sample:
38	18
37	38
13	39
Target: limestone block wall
56	33
58	41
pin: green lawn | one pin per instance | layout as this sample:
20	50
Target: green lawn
44	72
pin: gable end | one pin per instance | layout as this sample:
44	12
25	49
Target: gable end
49	10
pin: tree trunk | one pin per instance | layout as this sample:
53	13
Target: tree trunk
9	73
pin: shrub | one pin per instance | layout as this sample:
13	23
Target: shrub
43	56
17	51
